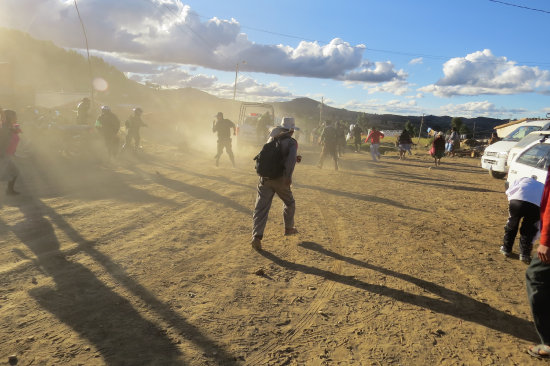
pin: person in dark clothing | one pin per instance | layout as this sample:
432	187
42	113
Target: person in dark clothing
9	138
341	138
262	127
133	124
404	142
108	126
223	127
438	148
494	138
329	140
82	111
356	132
524	195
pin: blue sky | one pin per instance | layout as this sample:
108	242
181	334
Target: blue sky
459	58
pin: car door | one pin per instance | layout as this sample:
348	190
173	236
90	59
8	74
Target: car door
534	161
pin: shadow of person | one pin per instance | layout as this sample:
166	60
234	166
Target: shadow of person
359	196
87	305
454	303
200	193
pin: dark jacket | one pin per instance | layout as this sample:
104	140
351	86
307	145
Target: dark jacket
108	124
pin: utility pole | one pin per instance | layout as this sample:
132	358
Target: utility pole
235	86
88	52
321	110
236	75
474	132
420	130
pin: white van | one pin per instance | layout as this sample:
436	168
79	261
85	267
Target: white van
495	157
532	161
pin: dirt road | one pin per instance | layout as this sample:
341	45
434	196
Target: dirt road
148	262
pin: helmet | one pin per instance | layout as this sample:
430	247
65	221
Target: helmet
105	108
138	110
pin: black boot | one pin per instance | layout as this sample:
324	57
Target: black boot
10	191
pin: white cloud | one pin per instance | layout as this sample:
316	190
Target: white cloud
483	73
474	109
377	106
396	87
167	31
252	90
416	61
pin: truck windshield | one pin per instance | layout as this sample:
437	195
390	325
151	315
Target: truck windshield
520	133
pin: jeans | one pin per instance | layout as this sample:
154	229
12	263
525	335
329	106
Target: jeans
374	151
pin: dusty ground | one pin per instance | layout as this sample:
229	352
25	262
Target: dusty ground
147	262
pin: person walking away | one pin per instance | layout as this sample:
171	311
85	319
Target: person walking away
404	142
341	138
133	124
374	137
108	126
82	111
453	142
524	197
537	279
265	122
9	139
223	127
329	141
494	138
278	183
438	148
356	132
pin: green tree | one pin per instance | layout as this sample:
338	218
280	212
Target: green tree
362	120
457	123
410	128
464	130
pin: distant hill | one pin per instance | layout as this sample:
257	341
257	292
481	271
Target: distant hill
28	66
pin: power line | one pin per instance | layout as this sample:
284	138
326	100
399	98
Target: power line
402	53
520	6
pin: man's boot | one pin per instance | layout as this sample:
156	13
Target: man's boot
10	191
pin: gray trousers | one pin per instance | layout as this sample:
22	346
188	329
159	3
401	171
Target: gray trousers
266	190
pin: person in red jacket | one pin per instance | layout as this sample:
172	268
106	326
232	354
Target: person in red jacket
374	138
538	281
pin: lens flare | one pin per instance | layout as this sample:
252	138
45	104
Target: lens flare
100	84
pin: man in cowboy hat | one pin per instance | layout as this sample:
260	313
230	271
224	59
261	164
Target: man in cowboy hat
268	186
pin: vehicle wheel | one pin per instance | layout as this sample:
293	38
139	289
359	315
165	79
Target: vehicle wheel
497	175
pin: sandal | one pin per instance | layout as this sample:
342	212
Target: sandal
535	351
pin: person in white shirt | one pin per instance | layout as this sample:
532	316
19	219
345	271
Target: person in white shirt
524	195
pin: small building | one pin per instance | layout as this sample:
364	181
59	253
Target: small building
504	129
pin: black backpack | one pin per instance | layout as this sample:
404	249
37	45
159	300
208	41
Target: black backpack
270	161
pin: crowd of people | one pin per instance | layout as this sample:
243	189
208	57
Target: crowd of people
275	164
528	203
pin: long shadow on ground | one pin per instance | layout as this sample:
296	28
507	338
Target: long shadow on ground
457	304
358	196
406	178
200	193
118	331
